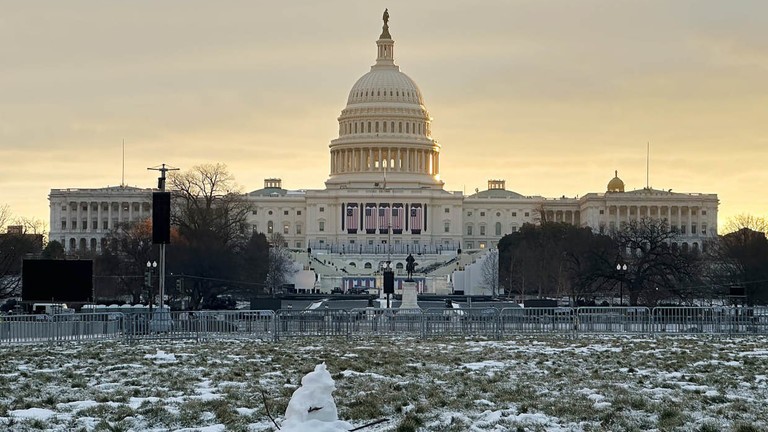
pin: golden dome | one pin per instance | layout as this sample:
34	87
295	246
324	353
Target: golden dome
616	185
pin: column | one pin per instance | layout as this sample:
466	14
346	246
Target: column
99	225
369	163
88	216
399	160
688	229
437	163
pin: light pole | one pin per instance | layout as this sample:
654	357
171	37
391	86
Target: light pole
148	280
621	268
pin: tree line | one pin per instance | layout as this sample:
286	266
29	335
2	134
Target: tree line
641	263
214	256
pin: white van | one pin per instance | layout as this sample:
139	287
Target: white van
50	308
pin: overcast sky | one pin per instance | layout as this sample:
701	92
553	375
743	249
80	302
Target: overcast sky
552	96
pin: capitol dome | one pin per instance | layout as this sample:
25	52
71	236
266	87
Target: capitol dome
385	85
385	131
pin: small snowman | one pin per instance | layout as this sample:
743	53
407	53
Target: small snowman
312	407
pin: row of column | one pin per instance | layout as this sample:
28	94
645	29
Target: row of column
99	215
568	216
394	159
674	215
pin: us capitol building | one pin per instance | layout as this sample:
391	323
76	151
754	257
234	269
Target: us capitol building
384	198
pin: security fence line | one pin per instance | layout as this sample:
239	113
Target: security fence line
371	322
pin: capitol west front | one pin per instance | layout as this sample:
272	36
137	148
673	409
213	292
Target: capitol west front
384	198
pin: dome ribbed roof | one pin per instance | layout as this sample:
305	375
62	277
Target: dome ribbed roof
616	184
385	85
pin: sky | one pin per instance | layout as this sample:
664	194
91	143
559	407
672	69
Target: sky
551	96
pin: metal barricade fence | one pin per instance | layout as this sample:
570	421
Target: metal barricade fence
556	320
60	327
385	322
613	320
234	324
685	320
427	323
457	322
323	322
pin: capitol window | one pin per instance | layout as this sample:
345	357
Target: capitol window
270	227
482	214
321	226
447	227
514	214
482	230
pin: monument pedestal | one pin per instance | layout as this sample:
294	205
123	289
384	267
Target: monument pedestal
409	296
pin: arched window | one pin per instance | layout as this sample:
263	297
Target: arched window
399	266
72	244
407	128
270	227
353	265
469	229
377	127
369	127
384	125
93	245
400	127
368	265
498	228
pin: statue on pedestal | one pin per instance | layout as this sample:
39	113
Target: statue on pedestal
410	265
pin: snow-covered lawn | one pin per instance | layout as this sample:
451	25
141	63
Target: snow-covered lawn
525	383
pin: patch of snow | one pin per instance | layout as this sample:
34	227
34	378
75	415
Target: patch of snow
33	413
161	357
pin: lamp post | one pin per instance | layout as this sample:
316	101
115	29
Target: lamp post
148	280
621	268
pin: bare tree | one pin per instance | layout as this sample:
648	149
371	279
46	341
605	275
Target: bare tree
280	263
490	271
748	221
656	269
120	267
5	216
206	198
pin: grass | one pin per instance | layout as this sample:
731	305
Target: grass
530	383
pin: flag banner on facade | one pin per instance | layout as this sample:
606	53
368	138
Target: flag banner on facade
384	214
415	221
352	218
398	218
370	218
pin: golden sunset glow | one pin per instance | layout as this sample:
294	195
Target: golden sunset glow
550	96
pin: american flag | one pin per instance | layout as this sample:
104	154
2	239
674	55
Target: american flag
416	218
370	218
352	218
397	218
383	218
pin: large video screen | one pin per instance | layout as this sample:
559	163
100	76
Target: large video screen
59	281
